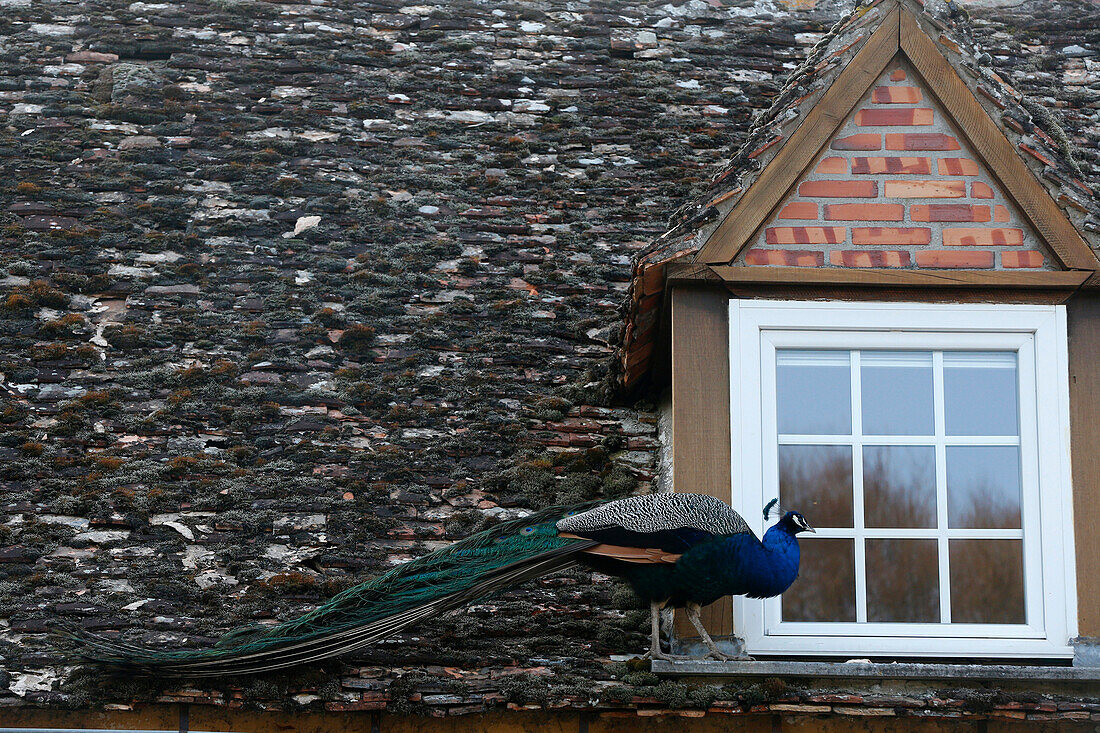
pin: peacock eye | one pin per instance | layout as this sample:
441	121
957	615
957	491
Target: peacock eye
572	513
527	530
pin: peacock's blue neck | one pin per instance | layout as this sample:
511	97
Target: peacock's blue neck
765	568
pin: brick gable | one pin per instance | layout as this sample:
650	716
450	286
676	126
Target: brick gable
898	186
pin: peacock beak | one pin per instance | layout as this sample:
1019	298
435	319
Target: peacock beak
810	529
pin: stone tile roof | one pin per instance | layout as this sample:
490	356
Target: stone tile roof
1067	168
298	291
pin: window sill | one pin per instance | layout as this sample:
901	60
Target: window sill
876	670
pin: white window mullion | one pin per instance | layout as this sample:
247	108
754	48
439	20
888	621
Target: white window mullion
943	545
857	488
796	439
914	533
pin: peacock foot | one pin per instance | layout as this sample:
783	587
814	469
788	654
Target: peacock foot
723	657
664	655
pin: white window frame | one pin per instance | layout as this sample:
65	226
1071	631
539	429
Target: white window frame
1038	334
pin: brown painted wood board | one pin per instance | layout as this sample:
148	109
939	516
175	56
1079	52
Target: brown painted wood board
701	412
679	272
790	163
993	147
1083	316
1068	280
897	293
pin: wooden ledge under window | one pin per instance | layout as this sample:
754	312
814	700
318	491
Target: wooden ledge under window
876	670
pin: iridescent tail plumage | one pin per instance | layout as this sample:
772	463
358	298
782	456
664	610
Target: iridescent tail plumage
441	581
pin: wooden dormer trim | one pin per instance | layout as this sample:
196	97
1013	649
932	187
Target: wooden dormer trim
790	163
899	34
1044	280
994	148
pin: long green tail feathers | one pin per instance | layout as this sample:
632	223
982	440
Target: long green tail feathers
441	581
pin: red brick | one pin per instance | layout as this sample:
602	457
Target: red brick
920	141
799	210
839	189
343	707
990	96
980	190
897	75
914	166
1013	124
896	95
1036	154
1018	258
864	212
982	237
862	141
891	235
869	258
957	167
894	117
943	259
925	189
795	258
948	212
805	235
765	146
832	166
1000	213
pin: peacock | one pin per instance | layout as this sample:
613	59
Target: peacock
675	549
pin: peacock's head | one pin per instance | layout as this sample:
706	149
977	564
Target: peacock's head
791	522
794	523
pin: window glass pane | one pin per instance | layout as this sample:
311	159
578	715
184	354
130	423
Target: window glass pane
897	392
814	392
980	393
816	480
983	486
903	581
826	586
899	485
987	581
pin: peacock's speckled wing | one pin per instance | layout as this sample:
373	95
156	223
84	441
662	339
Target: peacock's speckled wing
671	522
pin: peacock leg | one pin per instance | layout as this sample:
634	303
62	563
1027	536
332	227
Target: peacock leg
655	634
715	652
655	629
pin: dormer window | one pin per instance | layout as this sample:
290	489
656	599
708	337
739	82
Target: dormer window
924	440
884	315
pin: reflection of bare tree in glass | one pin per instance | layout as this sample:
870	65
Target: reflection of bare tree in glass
899	486
817	481
899	490
826	585
903	583
902	575
987	576
980	503
987	581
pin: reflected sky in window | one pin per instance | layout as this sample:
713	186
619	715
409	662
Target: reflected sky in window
814	392
983	486
979	390
897	392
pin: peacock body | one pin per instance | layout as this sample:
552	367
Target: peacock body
684	550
